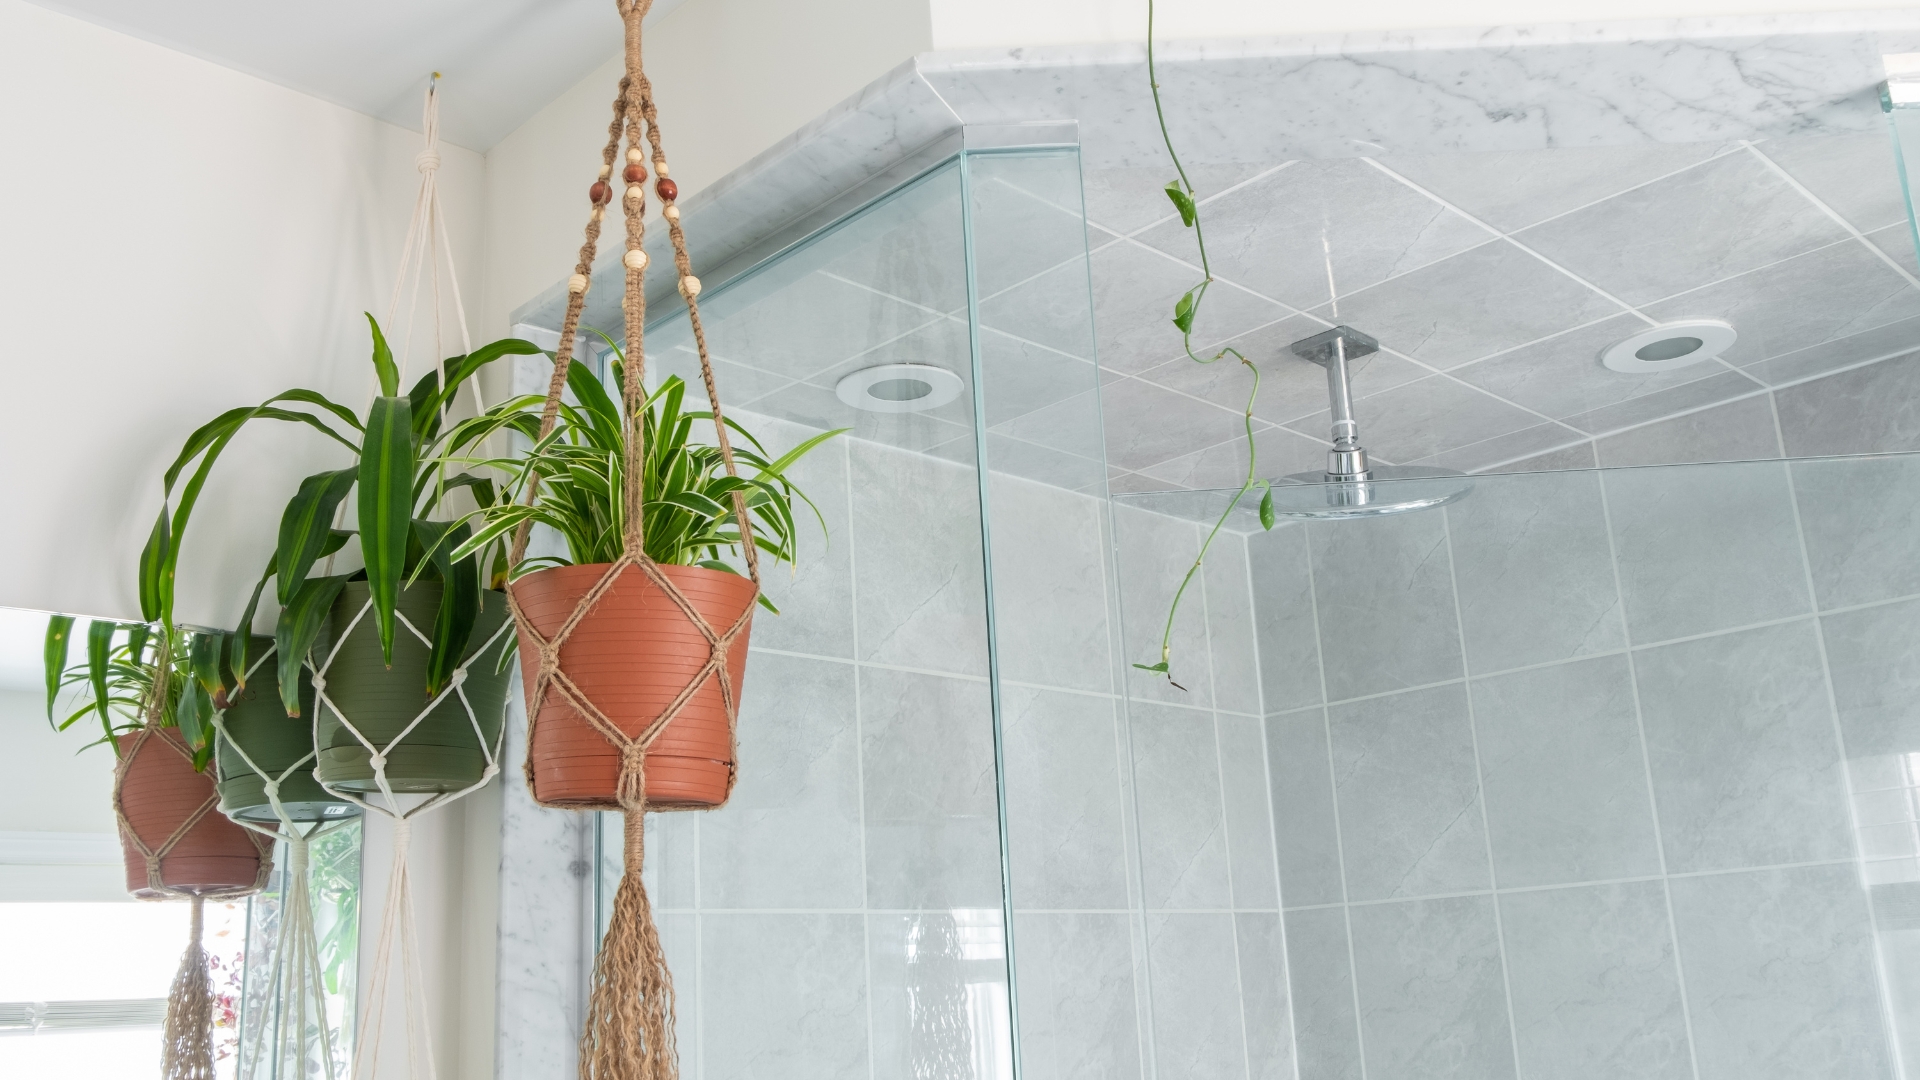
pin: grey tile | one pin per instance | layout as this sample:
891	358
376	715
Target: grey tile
1320	985
910	246
1534	570
1230	627
1050	587
1018	376
1715	384
1277	452
1519	188
916	551
1861	520
1869	410
1134	289
1290	387
1886	342
1876	673
1856	175
1408	795
1307	843
1148	424
1779	975
1123	200
1026	216
1283	618
932	820
1285	234
1424	418
1490	454
1177	795
1897	241
1472	305
1078	1015
1595	989
1197	1030
1264	1001
1737	431
1249	818
1830	293
1741	742
1562	376
1063	800
810	325
933	973
1580	456
1431	1000
1153	552
1384	594
790	835
813	594
1704	547
1898	937
1565	782
1721	218
809	1023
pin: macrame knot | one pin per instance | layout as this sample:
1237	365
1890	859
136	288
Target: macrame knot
319	683
427	162
378	761
459	676
632	790
272	788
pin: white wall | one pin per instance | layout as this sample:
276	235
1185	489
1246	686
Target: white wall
732	77
179	238
963	24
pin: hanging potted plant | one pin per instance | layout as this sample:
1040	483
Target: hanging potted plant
635	652
405	656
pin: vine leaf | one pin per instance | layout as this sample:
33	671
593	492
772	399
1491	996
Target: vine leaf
1160	667
1183	313
1266	510
1182	202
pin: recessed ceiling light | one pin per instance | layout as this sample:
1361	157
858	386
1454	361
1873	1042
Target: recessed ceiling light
899	388
1669	346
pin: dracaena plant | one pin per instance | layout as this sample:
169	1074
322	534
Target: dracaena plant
400	479
133	676
581	467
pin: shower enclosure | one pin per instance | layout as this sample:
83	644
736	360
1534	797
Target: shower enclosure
1589	772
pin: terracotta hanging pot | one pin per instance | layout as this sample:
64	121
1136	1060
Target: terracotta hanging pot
442	752
257	723
158	794
631	656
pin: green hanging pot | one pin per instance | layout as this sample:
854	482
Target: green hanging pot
442	752
257	723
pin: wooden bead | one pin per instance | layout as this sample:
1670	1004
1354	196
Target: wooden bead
671	213
606	171
634	154
634	173
636	193
599	193
577	283
635	259
667	189
660	168
598	213
689	286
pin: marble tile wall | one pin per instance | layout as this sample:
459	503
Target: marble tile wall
1601	774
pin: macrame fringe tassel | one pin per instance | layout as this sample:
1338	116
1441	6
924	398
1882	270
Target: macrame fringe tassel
187	1053
629	1030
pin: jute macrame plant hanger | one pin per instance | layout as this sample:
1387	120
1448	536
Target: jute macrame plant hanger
187	1033
628	1032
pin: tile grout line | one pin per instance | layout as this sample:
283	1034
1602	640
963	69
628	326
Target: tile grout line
1226	830
1221	194
1888	1021
1653	799
1830	212
1480	793
1333	790
859	756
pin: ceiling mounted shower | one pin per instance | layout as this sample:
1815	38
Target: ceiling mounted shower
899	388
1669	346
1352	486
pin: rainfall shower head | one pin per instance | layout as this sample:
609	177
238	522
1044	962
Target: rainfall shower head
1352	486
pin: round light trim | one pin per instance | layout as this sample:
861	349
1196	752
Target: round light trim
899	388
1669	346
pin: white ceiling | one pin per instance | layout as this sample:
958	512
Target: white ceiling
500	60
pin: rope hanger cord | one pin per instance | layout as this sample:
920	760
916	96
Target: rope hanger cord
629	1032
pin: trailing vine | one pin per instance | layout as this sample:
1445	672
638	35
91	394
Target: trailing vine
1185	312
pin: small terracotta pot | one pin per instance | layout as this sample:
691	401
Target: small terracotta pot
158	792
631	656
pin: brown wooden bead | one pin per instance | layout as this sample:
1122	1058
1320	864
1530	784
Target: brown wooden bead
634	173
667	190
599	193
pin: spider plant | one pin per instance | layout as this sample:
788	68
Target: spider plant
133	676
581	469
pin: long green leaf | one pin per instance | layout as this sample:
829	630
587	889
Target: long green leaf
459	599
59	636
192	715
203	658
386	523
156	563
299	627
307	525
383	360
99	655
